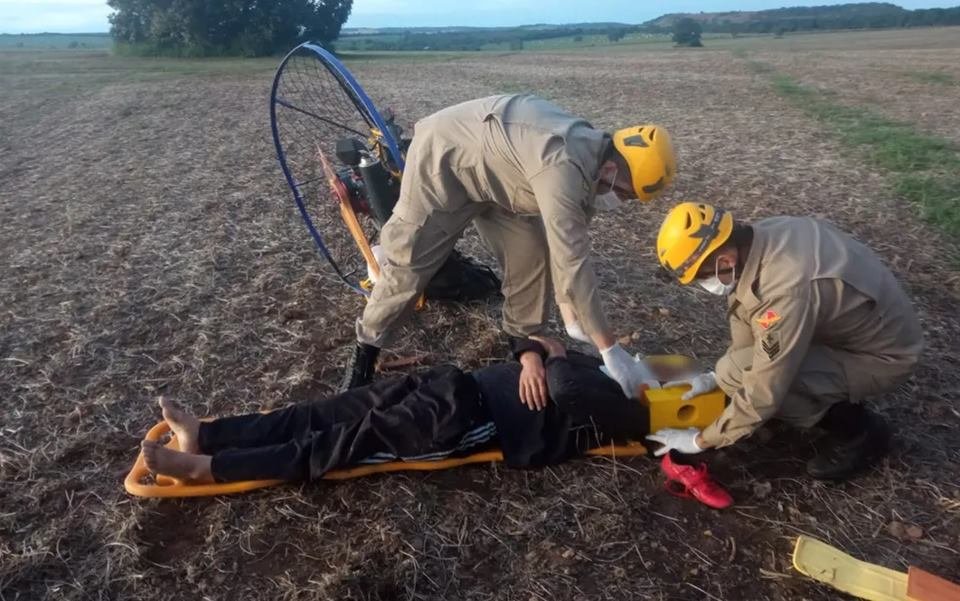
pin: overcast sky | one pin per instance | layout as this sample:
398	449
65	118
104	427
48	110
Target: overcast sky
66	16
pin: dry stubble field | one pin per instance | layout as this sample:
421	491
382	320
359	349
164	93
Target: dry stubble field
149	247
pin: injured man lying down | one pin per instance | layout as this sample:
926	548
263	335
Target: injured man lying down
544	408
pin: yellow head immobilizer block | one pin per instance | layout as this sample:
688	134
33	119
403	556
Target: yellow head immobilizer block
668	410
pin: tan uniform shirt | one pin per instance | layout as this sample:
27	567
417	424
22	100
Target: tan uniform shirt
531	158
807	283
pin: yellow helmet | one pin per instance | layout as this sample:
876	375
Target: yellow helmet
649	156
689	233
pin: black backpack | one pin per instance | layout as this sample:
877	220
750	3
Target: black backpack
463	279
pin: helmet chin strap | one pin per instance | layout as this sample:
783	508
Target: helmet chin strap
612	184
625	192
609	200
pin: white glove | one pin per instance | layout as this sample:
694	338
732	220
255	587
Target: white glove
576	332
684	441
701	384
629	373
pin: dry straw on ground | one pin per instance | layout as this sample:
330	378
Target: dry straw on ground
149	246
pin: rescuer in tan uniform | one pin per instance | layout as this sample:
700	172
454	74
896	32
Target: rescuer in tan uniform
817	323
530	177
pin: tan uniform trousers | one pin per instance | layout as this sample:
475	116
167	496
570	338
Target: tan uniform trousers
414	253
820	382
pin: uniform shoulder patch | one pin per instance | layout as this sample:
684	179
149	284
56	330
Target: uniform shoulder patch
768	319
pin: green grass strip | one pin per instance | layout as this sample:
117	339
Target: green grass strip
924	168
936	77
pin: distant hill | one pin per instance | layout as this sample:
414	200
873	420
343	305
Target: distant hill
565	28
871	15
477	38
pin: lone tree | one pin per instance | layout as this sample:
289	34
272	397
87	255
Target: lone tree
686	32
224	27
615	35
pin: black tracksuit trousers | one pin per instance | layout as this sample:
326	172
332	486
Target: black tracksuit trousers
426	415
431	415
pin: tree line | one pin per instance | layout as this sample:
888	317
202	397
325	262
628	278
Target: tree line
685	30
270	27
874	15
223	27
475	39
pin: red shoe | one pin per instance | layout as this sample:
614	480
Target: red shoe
689	481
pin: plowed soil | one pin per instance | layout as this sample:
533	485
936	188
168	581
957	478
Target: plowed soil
149	245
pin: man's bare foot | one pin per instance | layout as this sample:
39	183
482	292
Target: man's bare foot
182	466
183	424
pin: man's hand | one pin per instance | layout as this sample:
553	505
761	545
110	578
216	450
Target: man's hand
632	375
684	441
553	346
533	381
701	384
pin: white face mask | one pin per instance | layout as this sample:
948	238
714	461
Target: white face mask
713	285
608	201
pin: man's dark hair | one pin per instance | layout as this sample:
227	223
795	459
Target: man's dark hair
742	235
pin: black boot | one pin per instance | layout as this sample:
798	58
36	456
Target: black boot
359	370
856	440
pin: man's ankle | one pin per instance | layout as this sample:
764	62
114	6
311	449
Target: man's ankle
845	420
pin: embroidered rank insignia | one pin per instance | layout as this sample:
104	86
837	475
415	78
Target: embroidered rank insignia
768	319
770	343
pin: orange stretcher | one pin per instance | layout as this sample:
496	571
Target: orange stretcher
139	482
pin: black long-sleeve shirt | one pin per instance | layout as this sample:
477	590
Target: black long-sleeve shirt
586	409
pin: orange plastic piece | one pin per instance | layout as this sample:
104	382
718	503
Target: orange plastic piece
348	214
924	586
170	487
164	487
